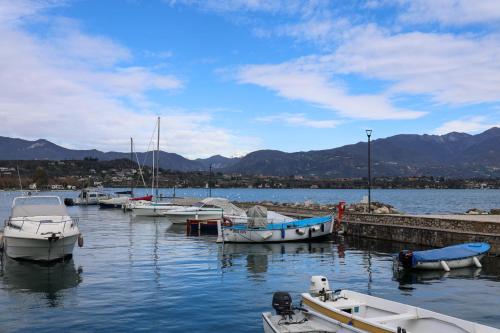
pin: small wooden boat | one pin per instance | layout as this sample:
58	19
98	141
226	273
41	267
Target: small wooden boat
299	230
456	256
289	319
377	315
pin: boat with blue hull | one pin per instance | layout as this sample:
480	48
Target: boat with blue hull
446	258
299	230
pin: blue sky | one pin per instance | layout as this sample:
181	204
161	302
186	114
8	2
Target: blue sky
230	77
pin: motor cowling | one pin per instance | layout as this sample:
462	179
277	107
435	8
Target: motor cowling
319	285
282	303
406	258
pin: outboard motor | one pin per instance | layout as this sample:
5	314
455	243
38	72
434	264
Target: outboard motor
319	286
282	303
69	202
406	259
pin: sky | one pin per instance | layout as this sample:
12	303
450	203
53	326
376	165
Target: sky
231	77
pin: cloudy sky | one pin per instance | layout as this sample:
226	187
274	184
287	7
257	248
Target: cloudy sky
229	77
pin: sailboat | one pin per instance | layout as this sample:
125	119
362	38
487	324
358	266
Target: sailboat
155	208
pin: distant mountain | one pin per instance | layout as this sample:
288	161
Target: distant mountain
451	155
454	154
18	149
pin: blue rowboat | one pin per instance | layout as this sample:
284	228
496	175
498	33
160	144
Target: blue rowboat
456	256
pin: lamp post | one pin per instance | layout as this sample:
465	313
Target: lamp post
369	134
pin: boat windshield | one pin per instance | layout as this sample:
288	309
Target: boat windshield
38	206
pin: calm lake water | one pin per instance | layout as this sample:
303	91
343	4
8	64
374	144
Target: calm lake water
147	275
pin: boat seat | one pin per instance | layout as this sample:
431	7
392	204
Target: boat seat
401	316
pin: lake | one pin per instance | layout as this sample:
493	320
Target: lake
147	275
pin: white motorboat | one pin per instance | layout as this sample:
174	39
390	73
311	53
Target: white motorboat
259	229
39	228
207	209
153	209
377	315
88	196
121	198
298	320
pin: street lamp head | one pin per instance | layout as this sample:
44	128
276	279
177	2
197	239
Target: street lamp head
368	132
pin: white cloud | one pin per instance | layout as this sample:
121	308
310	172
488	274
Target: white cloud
451	69
451	12
298	120
84	91
467	125
306	80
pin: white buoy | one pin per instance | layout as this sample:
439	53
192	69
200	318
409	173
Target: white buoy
476	262
445	265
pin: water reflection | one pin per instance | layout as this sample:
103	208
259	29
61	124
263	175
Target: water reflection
257	255
49	279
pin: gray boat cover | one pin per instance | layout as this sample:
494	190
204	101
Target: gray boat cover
257	217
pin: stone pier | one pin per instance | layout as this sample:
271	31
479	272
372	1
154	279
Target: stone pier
425	230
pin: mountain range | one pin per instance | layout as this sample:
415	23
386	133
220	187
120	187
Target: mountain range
458	155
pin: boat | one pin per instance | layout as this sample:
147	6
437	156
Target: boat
209	226
152	209
39	228
207	209
259	230
88	196
377	315
299	320
117	201
446	258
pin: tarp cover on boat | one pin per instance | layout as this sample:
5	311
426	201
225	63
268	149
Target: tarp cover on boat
227	207
257	217
451	252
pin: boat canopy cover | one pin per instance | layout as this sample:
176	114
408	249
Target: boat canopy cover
227	207
454	252
257	217
39	210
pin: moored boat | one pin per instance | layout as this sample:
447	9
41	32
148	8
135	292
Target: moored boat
299	320
258	230
446	258
207	209
116	201
377	315
39	228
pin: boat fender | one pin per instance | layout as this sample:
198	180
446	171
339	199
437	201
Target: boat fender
80	240
445	265
300	231
476	262
322	227
315	228
282	233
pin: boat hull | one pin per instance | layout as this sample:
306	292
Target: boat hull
39	249
181	218
247	235
378	315
452	264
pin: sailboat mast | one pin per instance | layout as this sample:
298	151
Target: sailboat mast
158	158
132	160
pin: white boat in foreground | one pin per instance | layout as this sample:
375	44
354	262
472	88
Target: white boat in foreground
39	228
289	319
377	315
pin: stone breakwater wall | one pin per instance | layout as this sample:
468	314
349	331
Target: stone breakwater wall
428	231
421	230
